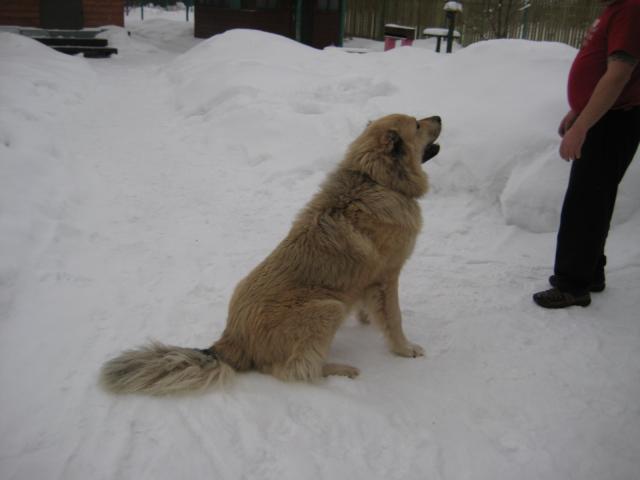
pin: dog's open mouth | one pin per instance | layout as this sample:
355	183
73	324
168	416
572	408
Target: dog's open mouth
430	152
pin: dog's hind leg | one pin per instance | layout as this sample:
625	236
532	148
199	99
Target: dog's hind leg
339	369
307	339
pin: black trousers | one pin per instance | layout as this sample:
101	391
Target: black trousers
591	196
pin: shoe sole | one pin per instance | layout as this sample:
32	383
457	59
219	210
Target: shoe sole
582	302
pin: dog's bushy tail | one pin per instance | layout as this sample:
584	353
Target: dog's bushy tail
158	369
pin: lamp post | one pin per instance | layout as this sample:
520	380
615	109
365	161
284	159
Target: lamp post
451	8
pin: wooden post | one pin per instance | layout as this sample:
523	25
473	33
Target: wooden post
451	18
525	20
343	16
451	8
383	11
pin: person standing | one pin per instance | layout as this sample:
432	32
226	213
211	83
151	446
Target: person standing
600	135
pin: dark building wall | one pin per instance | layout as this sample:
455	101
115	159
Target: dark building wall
24	13
103	12
210	20
326	29
318	23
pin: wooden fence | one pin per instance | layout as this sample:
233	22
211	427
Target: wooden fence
548	20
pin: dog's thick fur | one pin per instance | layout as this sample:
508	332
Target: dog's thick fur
344	252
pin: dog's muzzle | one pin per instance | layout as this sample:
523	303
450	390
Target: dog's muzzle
430	152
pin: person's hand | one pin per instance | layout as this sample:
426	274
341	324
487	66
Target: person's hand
567	122
571	146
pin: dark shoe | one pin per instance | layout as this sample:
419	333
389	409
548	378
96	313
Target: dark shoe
555	298
596	286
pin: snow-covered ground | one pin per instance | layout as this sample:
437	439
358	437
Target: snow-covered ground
136	191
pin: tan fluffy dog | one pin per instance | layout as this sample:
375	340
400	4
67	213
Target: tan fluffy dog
344	252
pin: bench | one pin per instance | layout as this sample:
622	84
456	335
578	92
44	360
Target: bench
393	33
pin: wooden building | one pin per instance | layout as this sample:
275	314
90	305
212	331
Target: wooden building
62	14
318	23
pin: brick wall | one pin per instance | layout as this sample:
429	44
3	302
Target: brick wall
25	13
103	12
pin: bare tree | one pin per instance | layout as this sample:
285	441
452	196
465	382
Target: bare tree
492	18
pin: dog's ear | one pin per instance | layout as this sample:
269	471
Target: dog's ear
392	143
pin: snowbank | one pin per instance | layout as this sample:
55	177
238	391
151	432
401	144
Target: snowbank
500	122
38	86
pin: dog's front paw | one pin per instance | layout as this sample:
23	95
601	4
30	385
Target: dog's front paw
410	350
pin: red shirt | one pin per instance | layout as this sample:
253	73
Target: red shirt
617	29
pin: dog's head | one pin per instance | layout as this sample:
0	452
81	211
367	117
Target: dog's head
392	150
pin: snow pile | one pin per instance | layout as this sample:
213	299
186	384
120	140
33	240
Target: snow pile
503	123
499	138
38	87
160	35
241	63
275	99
